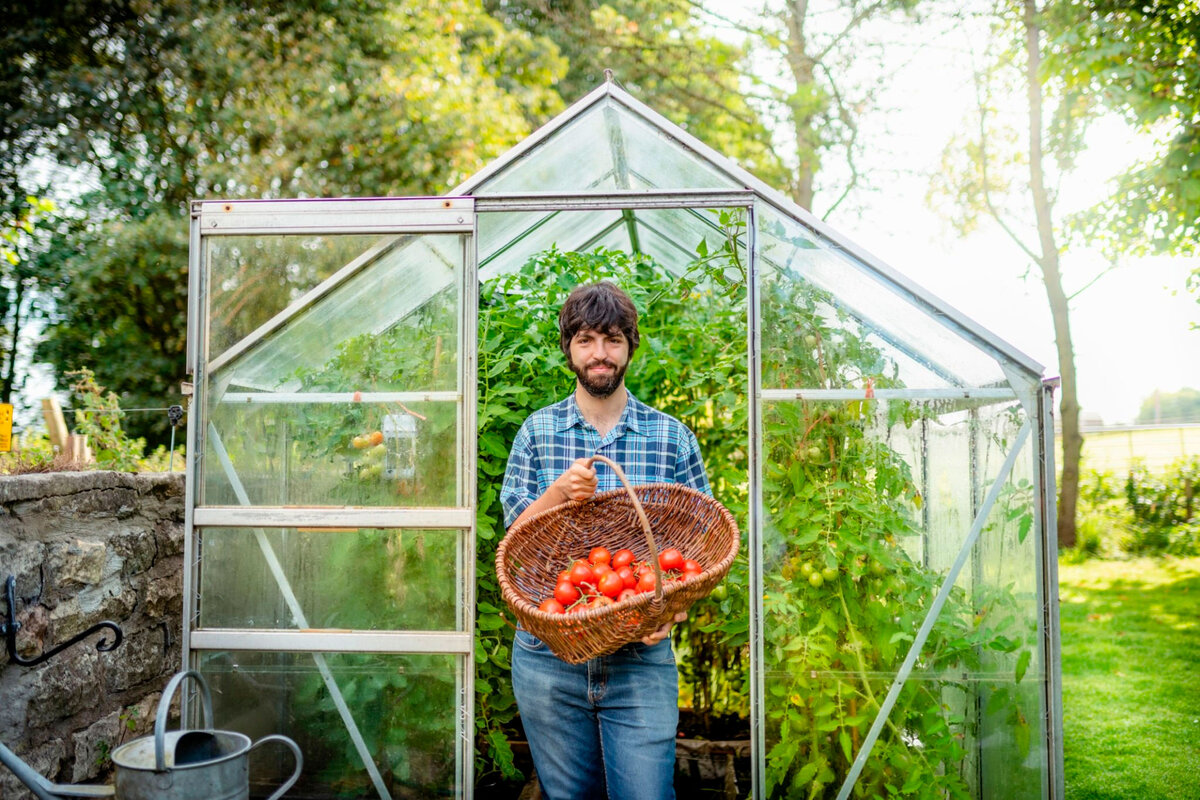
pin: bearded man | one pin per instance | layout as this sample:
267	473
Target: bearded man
606	727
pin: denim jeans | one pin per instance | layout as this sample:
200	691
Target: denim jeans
603	728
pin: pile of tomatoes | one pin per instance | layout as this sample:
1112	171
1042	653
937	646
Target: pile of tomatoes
606	578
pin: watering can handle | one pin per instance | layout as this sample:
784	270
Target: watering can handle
164	707
295	748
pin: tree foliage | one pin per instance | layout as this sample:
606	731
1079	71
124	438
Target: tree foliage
1142	61
156	105
1167	407
660	51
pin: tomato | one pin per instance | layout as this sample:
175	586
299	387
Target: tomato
599	555
642	569
691	566
582	573
599	601
647	582
628	576
376	438
601	570
611	584
565	575
566	593
670	559
552	606
622	558
689	574
626	594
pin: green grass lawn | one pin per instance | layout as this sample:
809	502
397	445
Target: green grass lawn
1131	679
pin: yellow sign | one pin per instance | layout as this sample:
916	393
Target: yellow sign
5	427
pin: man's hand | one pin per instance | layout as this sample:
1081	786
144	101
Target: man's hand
665	631
578	482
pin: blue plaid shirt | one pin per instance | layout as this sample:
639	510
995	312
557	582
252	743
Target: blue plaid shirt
652	447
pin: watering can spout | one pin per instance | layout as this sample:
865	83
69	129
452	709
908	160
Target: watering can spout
44	789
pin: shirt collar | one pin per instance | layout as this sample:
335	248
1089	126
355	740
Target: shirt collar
632	418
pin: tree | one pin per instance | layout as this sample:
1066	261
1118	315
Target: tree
1181	406
156	106
1015	183
21	277
661	53
1140	61
813	98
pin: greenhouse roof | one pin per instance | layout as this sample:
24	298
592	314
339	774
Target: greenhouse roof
610	145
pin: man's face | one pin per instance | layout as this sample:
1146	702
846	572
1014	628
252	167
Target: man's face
599	361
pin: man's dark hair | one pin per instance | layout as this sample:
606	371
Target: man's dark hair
601	307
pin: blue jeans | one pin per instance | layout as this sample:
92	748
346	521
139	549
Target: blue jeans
603	728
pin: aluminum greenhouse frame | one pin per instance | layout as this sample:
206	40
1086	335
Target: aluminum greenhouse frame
263	618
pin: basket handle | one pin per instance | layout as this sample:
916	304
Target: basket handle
641	512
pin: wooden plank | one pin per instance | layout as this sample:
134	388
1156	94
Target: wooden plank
56	426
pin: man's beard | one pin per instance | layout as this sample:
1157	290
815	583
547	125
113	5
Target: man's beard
602	386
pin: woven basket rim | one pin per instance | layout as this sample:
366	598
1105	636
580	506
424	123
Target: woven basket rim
524	605
610	493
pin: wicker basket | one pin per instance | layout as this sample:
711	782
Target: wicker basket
642	519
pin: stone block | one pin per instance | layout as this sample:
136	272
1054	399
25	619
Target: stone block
164	599
93	747
77	563
69	683
140	658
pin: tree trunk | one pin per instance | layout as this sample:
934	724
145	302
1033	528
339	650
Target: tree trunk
8	374
803	104
1072	440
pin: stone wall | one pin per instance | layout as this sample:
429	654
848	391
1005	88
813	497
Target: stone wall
86	547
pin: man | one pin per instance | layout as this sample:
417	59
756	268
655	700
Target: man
604	728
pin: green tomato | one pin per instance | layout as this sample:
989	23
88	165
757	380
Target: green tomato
829	573
719	592
806	569
816	580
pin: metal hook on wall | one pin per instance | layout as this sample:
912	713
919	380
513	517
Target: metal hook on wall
9	631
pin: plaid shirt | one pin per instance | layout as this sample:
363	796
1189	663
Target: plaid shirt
652	447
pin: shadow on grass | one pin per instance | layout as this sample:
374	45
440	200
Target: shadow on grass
1131	679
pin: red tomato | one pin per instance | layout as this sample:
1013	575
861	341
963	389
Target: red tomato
647	582
642	569
691	566
601	570
670	559
628	576
622	558
582	573
599	555
566	593
611	584
626	594
689	574
565	575
552	606
599	601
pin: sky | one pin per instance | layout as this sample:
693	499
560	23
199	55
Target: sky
1132	329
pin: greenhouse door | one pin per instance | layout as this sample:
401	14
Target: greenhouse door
330	504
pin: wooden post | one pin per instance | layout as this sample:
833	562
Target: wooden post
56	426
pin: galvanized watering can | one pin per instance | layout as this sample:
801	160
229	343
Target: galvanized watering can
180	765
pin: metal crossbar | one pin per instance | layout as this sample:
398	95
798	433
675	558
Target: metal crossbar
914	651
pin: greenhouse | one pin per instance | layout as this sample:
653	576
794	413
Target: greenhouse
360	365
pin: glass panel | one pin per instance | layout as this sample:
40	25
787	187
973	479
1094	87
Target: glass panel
401	579
507	239
298	453
790	254
607	147
949	736
253	278
867	504
410	288
403	707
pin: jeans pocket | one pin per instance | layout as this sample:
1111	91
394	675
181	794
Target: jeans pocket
527	641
